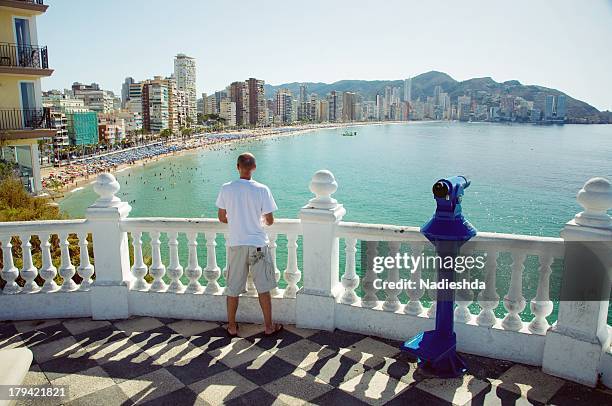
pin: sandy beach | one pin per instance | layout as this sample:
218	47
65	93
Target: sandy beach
80	174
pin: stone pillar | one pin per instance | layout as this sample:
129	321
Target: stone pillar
575	344
109	292
321	285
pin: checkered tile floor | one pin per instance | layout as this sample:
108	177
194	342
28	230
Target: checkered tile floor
181	362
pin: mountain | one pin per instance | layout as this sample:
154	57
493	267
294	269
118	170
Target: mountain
485	90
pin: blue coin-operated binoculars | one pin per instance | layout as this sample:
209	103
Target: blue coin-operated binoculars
447	230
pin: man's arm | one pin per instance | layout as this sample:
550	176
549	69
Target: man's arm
222	215
268	219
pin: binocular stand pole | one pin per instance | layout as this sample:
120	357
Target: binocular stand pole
436	349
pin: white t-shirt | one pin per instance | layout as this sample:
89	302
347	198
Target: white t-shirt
246	201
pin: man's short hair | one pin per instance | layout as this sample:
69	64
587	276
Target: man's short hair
246	160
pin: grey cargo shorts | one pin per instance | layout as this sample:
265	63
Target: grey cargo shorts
245	258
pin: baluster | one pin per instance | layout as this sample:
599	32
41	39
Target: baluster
514	302
541	306
350	279
66	270
227	250
47	271
463	298
272	247
139	269
193	270
28	270
488	299
370	299
175	269
292	274
85	269
414	305
9	271
212	271
392	302
157	268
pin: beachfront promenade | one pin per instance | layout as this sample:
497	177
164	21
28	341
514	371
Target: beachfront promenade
317	295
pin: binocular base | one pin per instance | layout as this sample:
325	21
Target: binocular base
436	353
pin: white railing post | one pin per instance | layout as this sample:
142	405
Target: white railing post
575	344
109	292
321	285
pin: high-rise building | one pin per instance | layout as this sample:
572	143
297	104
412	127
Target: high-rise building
185	75
227	111
323	111
560	110
549	107
237	94
155	109
303	112
95	99
82	128
408	90
332	100
125	91
256	102
349	100
284	105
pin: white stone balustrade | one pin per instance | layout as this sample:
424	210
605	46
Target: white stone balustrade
316	295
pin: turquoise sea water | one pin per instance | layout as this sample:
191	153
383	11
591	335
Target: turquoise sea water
524	178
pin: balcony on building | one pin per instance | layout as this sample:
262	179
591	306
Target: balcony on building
29	6
24	59
18	123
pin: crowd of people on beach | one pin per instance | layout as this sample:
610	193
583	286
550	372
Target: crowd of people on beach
70	175
82	169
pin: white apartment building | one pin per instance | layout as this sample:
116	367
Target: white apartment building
185	74
227	111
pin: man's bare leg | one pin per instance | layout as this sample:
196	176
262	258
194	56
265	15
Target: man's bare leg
265	301
232	308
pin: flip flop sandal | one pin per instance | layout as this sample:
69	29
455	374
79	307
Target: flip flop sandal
276	331
230	334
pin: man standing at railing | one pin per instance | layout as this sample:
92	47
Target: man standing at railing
246	206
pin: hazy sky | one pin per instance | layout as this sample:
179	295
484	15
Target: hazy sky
563	44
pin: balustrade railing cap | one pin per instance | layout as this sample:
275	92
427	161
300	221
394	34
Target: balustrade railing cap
596	198
323	185
106	186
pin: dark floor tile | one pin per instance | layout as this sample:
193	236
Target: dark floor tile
183	396
112	395
575	394
7	330
211	340
414	396
151	338
44	335
166	320
388	341
273	369
278	340
127	368
397	369
499	396
61	366
336	339
257	397
101	336
483	368
347	369
197	368
337	397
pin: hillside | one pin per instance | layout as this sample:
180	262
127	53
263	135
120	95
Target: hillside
483	89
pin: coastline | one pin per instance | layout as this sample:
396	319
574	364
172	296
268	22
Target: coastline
195	145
